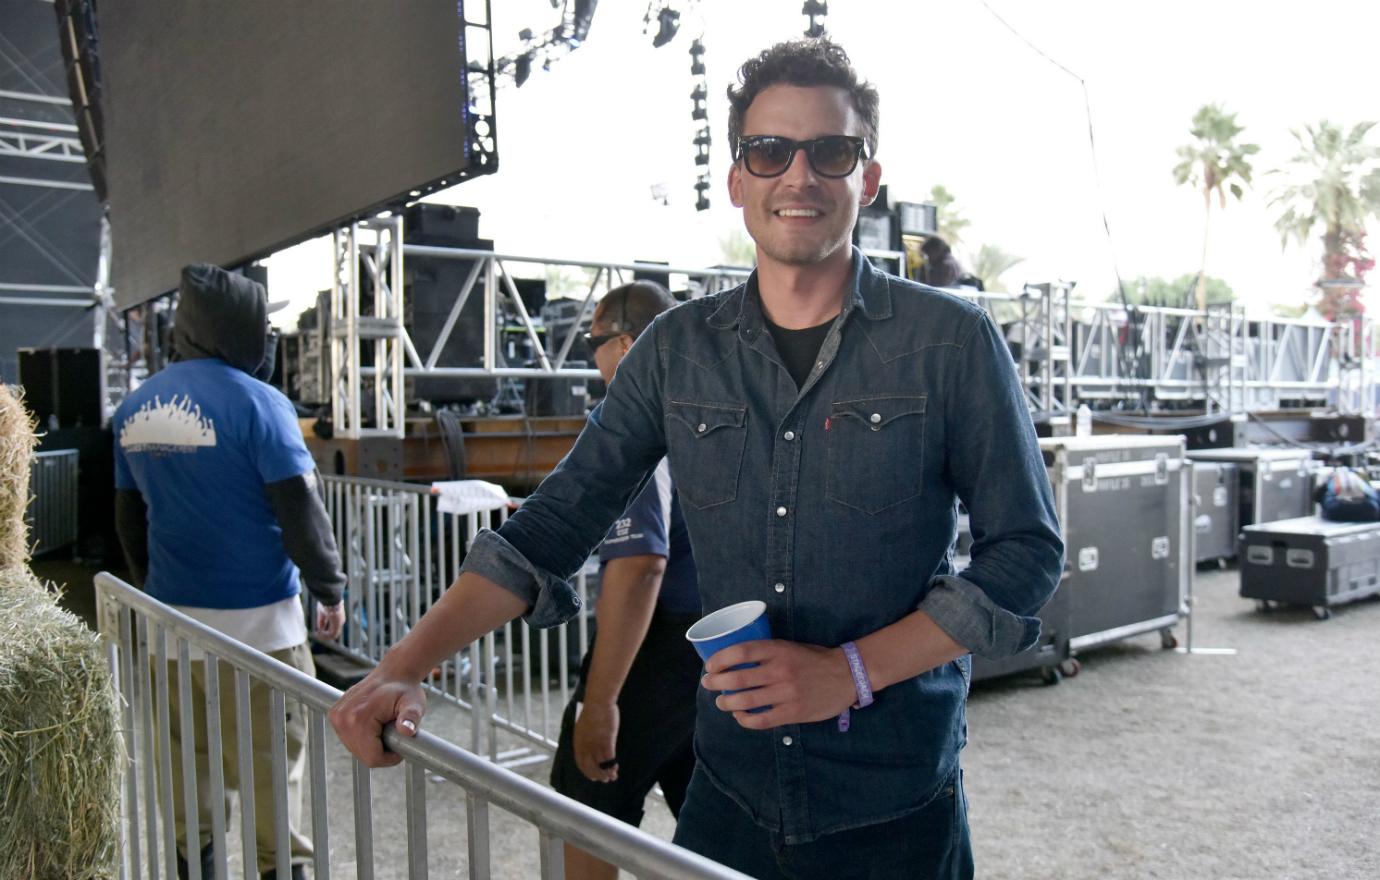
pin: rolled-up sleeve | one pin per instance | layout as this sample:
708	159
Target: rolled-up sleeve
546	541
995	465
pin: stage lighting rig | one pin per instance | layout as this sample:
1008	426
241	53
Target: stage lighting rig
697	57
668	23
702	187
815	11
699	96
561	40
701	142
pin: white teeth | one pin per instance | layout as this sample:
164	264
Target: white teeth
797	212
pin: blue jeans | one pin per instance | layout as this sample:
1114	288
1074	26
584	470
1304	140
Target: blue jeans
931	842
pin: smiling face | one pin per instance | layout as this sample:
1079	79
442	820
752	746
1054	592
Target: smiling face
802	218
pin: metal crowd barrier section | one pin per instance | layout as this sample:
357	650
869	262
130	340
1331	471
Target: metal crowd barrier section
138	631
400	553
52	513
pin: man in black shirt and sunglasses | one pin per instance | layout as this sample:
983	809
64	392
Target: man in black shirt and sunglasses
823	421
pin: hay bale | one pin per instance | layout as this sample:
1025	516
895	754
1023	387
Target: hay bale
17	441
61	752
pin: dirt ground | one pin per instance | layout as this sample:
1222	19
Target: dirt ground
1264	763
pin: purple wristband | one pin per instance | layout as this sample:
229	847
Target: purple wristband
861	684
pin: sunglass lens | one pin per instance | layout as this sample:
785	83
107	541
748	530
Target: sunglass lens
833	156
767	157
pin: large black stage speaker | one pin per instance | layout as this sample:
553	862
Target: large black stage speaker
62	386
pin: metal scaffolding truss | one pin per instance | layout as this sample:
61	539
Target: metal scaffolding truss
32	139
1067	351
1219	361
371	331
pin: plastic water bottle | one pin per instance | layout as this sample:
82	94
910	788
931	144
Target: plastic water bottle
1083	428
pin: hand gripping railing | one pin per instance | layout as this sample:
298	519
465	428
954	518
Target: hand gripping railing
133	624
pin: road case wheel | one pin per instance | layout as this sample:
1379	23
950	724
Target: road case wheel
1071	667
1168	641
1050	675
1264	606
1322	612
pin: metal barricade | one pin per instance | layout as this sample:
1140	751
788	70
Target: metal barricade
400	553
52	512
137	630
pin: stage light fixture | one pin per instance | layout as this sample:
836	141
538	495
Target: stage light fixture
815	10
697	58
668	23
701	188
522	69
699	96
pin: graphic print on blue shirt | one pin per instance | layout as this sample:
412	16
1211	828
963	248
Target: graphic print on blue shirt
653	525
199	440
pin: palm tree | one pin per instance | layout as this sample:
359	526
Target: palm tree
1214	162
990	263
950	223
1335	187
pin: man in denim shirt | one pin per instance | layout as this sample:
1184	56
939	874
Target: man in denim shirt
822	422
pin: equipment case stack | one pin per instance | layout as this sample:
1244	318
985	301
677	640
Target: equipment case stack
1124	502
1275	483
1310	561
1217	493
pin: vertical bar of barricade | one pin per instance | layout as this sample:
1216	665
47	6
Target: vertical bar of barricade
490	691
415	805
320	825
364	823
476	698
165	792
146	706
244	742
552	855
282	840
122	654
187	738
214	766
477	826
414	578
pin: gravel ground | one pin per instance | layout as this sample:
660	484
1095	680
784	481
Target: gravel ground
1150	763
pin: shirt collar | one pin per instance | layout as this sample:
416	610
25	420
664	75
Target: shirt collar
871	293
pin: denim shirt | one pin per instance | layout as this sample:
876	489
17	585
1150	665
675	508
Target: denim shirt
835	504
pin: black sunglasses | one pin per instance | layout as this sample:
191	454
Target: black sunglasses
594	342
769	155
621	327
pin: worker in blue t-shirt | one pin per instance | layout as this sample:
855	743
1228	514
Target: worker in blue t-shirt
219	510
631	720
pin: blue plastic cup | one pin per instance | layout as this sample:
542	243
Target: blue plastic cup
743	622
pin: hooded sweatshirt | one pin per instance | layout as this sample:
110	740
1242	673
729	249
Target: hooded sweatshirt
218	460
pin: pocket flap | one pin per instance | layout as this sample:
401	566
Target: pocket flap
705	418
876	412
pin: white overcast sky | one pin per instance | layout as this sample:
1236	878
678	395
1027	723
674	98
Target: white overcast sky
964	102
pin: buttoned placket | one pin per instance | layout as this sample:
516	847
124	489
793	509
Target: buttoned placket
787	449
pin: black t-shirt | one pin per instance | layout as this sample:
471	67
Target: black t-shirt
799	348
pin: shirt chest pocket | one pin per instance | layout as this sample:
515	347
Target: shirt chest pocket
705	442
875	451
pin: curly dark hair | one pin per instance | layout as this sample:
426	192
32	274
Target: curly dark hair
809	62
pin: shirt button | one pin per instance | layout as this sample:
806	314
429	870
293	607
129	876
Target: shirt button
786	740
780	588
789	435
702	428
876	418
780	511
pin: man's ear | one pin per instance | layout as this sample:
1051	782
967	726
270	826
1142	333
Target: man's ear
735	185
872	182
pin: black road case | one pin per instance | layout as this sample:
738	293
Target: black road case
1124	502
1275	483
1216	491
1310	561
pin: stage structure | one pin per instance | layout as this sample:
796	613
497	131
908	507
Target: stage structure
1218	364
235	129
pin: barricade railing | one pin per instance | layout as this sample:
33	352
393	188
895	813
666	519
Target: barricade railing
400	553
138	630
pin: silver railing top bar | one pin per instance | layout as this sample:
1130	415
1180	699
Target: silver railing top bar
588	829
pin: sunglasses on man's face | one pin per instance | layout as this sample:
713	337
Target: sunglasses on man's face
769	155
594	342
